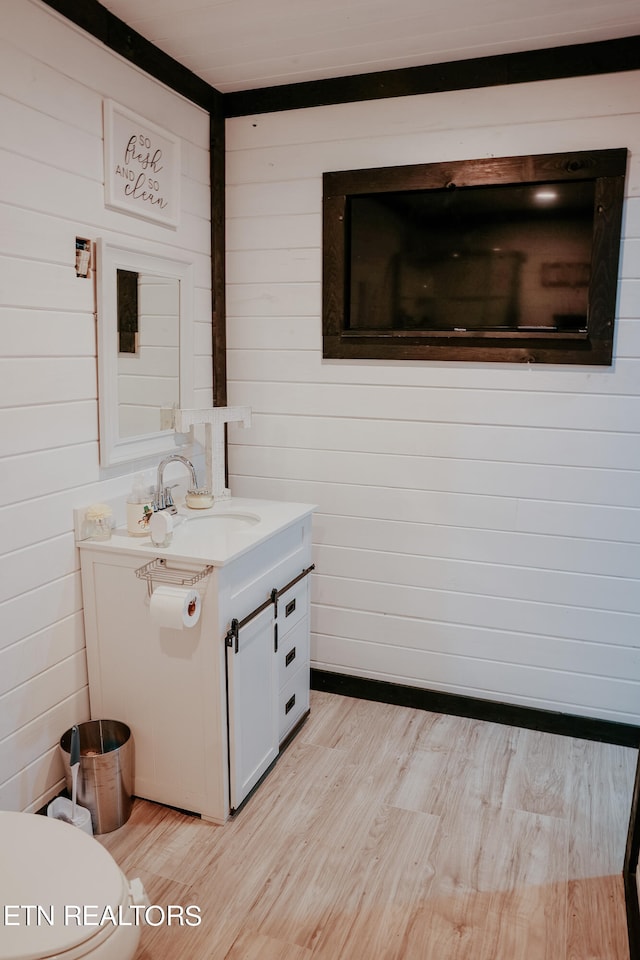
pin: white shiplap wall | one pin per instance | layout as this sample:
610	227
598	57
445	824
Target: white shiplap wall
478	528
53	78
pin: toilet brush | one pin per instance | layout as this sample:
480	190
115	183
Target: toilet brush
75	766
61	808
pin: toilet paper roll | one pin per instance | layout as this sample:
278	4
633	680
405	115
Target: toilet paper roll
175	607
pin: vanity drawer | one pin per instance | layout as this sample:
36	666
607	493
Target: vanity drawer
293	701
292	606
293	652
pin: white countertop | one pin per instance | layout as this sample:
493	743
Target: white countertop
214	536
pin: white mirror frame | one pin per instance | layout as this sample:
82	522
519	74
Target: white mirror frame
109	258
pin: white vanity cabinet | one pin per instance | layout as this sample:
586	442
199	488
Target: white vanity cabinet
209	709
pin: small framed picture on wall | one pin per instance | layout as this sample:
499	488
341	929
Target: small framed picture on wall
141	166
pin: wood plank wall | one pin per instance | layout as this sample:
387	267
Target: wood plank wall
478	525
53	78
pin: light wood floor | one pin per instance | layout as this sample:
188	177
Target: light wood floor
387	833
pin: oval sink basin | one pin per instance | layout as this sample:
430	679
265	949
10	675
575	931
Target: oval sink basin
215	524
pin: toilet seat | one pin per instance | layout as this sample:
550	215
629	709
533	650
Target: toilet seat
57	886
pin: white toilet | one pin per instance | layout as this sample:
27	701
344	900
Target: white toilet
59	890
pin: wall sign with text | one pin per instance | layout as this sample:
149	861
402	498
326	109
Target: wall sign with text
142	166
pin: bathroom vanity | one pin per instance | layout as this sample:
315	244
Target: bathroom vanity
211	704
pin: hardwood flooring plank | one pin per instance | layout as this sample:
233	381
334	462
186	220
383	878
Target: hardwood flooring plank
468	860
602	897
297	903
331	865
388	883
473	768
601	777
144	836
175	940
526	919
254	946
526	924
336	724
538	783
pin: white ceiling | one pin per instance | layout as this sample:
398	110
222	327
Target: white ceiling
245	44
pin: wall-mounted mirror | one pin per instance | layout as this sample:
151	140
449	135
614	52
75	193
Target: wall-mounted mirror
145	354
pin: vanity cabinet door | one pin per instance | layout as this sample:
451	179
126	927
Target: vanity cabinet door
253	711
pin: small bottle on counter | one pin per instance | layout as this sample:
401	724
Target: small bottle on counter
139	509
98	521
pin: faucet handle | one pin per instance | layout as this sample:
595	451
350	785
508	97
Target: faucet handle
168	496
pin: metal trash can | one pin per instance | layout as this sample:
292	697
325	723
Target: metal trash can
105	777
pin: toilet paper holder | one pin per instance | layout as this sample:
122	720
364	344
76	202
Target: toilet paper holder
157	571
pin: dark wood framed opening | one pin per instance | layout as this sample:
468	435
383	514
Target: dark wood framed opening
513	259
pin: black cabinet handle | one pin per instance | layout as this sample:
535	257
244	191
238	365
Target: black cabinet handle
290	704
290	657
290	607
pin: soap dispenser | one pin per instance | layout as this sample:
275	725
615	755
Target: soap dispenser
139	508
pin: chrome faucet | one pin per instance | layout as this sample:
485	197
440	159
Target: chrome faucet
162	499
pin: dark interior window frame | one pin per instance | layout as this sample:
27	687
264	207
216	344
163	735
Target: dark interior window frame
605	168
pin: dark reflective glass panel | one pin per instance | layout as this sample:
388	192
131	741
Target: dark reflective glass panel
511	257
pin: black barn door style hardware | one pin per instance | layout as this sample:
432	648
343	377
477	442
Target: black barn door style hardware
232	638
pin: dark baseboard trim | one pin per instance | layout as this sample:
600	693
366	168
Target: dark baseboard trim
555	63
547	721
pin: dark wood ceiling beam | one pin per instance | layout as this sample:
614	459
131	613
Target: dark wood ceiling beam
584	59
